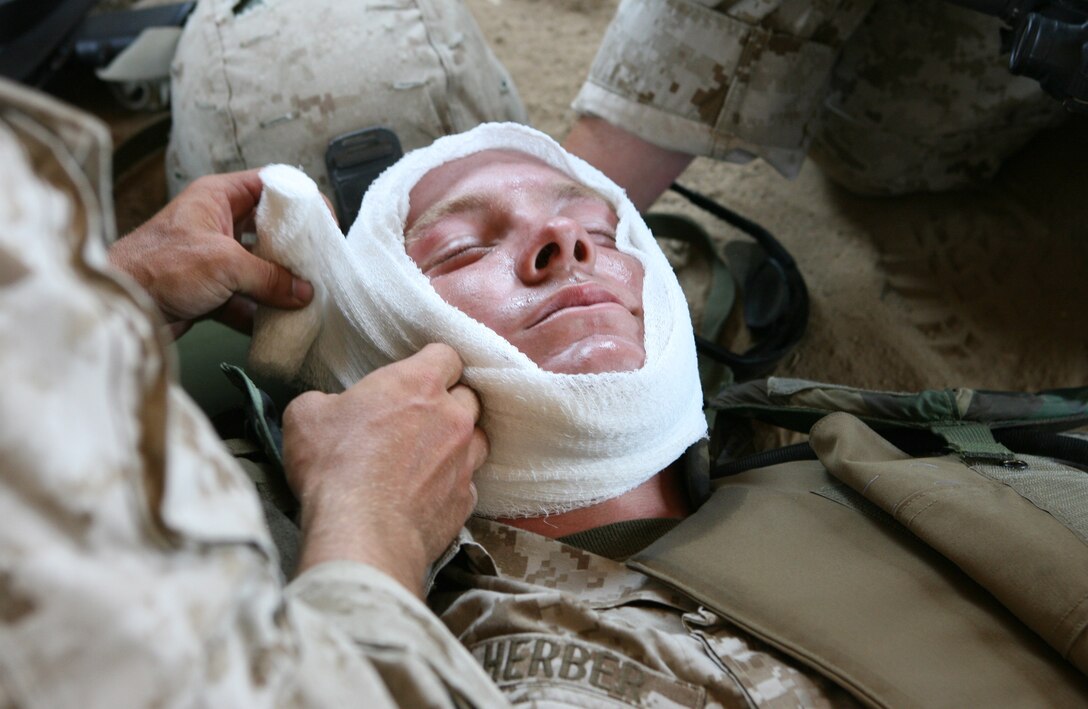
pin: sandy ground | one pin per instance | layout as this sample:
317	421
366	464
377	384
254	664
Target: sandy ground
980	289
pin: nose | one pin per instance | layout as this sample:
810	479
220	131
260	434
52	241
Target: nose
560	245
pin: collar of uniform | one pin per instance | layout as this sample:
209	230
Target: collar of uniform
621	540
514	560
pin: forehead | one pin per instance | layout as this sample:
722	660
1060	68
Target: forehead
490	172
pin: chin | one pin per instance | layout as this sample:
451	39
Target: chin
596	356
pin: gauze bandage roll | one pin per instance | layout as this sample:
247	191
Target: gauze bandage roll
558	441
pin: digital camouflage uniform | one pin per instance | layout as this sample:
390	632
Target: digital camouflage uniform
258	82
890	96
551	623
135	566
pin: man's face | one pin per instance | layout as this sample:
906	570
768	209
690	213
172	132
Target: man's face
525	250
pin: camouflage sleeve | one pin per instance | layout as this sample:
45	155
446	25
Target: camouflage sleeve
135	566
731	80
414	652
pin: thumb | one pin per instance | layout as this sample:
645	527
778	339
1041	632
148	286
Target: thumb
269	283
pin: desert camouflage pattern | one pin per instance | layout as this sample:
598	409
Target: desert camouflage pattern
263	82
135	566
922	99
555	625
798	403
890	96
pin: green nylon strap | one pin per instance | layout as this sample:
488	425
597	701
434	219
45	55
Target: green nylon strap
974	442
720	300
722	294
719	304
257	408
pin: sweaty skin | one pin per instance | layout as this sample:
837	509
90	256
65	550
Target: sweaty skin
532	254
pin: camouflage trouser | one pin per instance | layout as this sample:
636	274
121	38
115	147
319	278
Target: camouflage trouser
891	97
257	83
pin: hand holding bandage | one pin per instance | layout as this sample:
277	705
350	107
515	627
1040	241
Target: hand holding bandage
384	470
189	259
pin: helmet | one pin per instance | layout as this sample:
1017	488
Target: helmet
275	80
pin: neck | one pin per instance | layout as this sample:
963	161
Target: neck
662	496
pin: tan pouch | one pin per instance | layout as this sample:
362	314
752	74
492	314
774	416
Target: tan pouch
800	560
979	519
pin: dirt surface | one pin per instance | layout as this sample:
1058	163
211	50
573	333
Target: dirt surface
980	289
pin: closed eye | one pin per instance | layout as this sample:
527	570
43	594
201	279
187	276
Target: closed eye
455	258
603	236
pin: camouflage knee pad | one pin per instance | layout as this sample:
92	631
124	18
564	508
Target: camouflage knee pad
922	100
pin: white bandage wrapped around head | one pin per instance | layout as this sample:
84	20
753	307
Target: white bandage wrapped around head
558	441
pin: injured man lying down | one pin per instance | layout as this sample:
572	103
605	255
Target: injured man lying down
575	335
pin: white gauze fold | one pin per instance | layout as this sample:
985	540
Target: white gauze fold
558	441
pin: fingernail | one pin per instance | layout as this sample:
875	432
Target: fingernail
301	290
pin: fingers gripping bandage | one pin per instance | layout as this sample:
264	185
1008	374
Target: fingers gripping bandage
558	441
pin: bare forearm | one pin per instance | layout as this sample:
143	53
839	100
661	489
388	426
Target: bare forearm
335	529
642	168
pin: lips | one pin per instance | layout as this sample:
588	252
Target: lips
579	296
